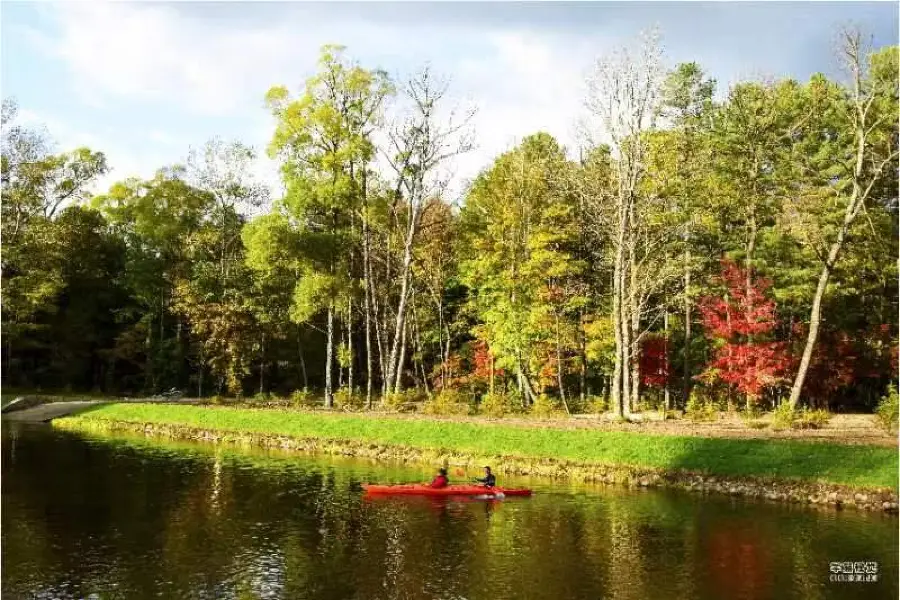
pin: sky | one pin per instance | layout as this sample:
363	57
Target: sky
145	82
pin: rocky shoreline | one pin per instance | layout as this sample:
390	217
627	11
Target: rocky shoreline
768	489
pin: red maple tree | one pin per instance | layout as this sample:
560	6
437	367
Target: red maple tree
842	360
740	321
471	369
483	361
654	362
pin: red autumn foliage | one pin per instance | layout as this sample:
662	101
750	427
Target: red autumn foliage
482	360
840	361
654	362
457	369
834	365
740	320
742	311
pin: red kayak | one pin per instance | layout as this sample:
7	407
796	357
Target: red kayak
420	489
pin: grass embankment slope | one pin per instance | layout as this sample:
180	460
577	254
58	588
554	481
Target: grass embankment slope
850	465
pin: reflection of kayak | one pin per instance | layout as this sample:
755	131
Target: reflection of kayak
418	489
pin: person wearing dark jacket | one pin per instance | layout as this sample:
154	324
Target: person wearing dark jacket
440	481
488	480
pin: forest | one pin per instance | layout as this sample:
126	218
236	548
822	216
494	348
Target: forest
733	247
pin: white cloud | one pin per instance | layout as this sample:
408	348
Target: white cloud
125	159
531	83
152	52
170	61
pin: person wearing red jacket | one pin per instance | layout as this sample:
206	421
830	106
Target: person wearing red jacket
440	481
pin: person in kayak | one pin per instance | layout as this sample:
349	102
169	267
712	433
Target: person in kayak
488	480
440	481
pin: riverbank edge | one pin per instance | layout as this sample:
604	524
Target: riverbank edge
769	489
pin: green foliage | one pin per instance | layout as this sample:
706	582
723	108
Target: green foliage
783	416
346	399
700	409
751	417
260	398
405	400
888	411
394	401
304	399
596	405
804	418
447	403
519	230
164	282
344	355
545	407
811	419
498	405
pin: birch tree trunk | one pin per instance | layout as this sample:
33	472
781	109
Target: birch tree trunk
349	343
634	309
666	399
559	366
863	178
400	321
302	361
815	317
617	388
329	356
401	359
367	281
686	384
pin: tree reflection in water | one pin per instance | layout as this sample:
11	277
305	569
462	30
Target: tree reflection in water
127	517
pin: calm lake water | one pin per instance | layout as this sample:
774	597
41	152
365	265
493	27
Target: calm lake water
126	517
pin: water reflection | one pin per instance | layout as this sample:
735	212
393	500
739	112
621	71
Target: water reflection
125	517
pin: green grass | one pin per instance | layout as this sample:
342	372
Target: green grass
853	465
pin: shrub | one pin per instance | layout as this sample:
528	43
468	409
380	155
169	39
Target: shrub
497	405
260	398
393	401
347	399
698	409
783	416
887	411
303	399
447	402
279	401
673	414
596	405
544	407
651	401
751	417
407	399
811	419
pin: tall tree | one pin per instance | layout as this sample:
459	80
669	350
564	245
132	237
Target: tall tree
34	185
739	319
687	103
156	220
420	146
323	140
867	156
624	92
520	233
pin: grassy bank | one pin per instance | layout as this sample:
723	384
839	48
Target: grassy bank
854	466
